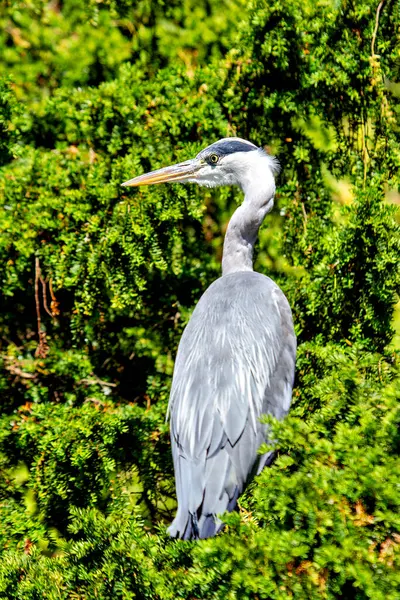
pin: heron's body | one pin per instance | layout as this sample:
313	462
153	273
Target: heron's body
236	357
234	364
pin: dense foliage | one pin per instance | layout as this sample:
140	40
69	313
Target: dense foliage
98	282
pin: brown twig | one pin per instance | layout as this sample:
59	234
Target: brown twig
378	10
148	402
97	381
44	291
303	208
364	151
15	370
43	349
54	304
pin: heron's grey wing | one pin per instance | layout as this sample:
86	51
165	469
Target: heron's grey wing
224	379
278	395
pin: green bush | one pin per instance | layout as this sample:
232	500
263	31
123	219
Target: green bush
98	282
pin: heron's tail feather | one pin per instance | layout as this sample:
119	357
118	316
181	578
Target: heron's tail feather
187	526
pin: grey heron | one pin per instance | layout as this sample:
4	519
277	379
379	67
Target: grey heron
236	358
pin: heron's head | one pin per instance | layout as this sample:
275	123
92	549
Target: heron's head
230	161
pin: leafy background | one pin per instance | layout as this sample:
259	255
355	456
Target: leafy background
98	282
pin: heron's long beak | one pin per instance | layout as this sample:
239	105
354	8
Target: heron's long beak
184	171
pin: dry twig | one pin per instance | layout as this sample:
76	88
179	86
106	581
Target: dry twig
378	10
43	348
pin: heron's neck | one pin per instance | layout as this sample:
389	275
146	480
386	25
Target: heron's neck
245	222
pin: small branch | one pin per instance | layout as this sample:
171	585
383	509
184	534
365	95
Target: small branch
14	370
148	402
378	10
364	152
303	208
54	304
37	276
43	349
44	291
97	381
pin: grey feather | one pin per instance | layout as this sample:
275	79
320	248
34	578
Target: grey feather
235	362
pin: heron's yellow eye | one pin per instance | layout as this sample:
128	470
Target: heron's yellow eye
213	158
